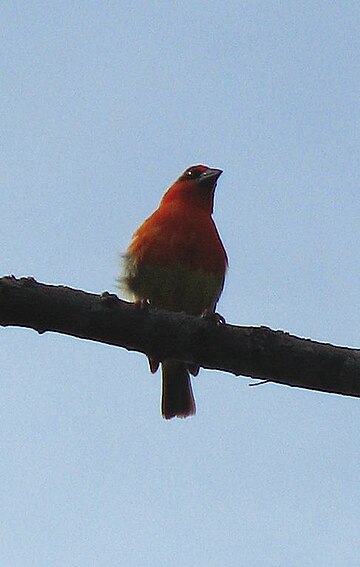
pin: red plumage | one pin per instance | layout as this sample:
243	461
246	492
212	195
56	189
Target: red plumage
177	261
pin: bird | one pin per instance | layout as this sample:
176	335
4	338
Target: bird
176	261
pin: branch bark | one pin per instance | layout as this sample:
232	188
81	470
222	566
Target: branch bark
257	352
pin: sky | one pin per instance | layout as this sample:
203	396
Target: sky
103	105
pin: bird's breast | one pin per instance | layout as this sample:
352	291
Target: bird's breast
180	237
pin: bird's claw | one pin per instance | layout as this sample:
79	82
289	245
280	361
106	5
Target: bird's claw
142	303
213	317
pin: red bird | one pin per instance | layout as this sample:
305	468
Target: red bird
177	261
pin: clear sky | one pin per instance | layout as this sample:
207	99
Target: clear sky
103	104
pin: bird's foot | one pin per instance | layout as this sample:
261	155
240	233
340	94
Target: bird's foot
213	317
142	303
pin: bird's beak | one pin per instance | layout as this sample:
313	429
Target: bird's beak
211	173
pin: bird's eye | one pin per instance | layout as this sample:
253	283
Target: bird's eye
193	173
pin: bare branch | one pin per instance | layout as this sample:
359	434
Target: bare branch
258	352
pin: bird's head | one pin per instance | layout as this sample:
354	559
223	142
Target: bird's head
195	187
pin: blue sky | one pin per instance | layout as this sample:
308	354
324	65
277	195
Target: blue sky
103	104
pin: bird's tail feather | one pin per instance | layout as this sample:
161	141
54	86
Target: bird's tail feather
177	398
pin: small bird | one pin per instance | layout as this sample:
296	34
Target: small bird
176	261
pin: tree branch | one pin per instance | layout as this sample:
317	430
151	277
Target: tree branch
258	352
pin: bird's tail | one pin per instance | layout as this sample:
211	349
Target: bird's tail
177	398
